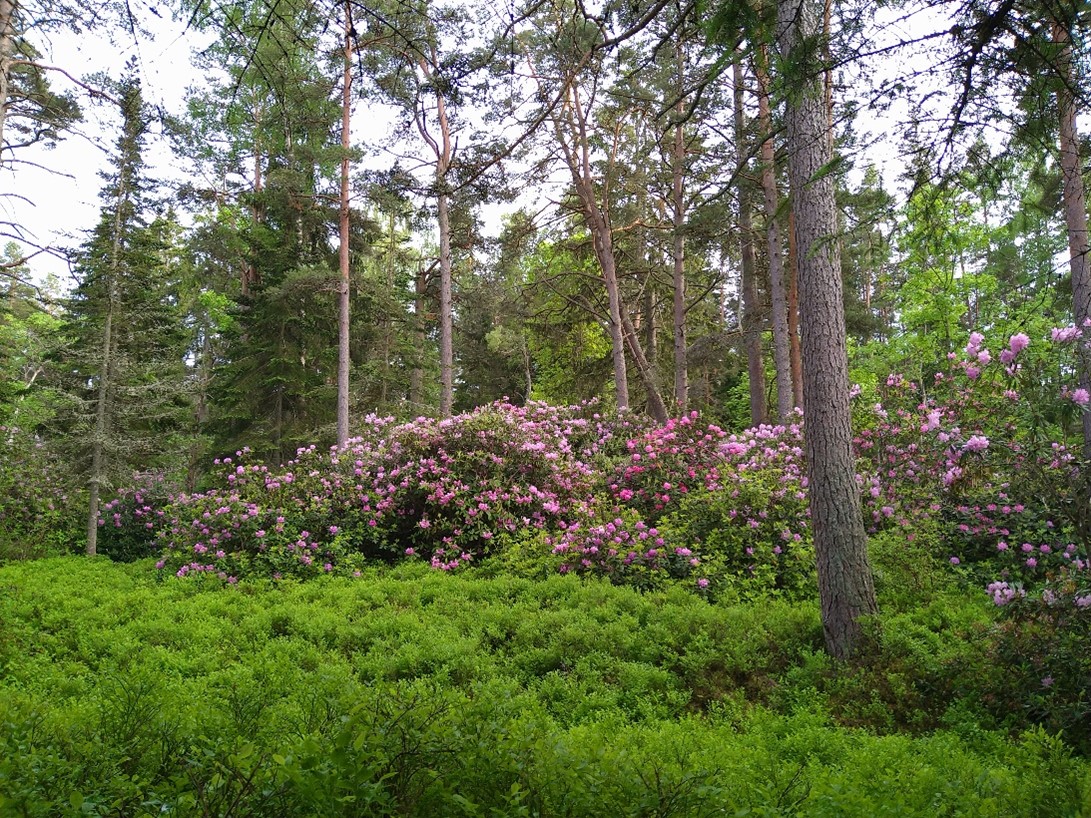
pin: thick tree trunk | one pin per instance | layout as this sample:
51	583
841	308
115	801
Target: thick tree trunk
1075	212
782	354
846	588
344	362
751	311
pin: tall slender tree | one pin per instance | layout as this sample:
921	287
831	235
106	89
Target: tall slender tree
125	366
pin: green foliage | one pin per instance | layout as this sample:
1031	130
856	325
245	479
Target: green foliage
1043	643
417	693
751	535
39	508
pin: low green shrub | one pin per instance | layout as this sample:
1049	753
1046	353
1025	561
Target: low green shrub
412	692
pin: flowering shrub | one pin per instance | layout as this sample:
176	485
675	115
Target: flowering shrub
751	521
443	491
981	454
129	523
976	461
39	510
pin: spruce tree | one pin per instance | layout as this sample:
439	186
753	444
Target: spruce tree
124	365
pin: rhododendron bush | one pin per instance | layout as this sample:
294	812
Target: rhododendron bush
977	465
985	457
588	491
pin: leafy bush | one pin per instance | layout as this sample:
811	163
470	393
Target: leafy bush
414	692
39	510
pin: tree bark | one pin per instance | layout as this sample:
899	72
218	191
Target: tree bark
678	253
782	354
751	311
344	362
444	152
1075	211
656	408
845	584
106	374
416	374
793	313
446	322
7	48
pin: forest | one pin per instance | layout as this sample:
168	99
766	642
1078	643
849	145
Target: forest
550	408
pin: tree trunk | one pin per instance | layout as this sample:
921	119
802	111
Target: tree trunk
751	313
678	254
416	374
793	312
446	323
388	320
656	408
604	251
105	385
250	272
7	48
578	157
102	422
344	362
782	354
845	584
1075	212
444	153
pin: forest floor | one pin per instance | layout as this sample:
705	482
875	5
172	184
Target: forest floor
409	691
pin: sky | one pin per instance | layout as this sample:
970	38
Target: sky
59	208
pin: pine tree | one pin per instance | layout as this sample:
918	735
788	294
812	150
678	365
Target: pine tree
124	367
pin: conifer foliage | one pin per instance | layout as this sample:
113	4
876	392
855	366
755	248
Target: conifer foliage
123	369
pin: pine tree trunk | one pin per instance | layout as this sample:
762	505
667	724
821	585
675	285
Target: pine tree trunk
656	408
604	250
782	354
678	254
7	48
846	588
388	321
751	312
1075	212
416	374
446	324
344	362
793	313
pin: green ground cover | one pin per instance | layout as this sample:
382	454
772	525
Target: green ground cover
409	691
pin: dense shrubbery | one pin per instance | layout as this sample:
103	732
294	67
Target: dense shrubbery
39	511
414	692
970	474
